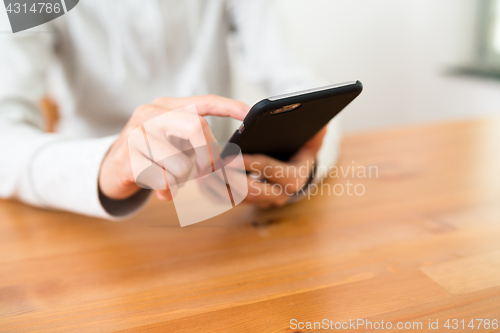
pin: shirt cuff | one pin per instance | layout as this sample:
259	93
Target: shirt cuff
65	176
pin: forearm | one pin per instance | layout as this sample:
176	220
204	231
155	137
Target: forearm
49	171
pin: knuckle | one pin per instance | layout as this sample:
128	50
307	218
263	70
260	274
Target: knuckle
146	112
160	100
142	111
207	102
207	105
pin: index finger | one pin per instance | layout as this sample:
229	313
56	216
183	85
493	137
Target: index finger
208	105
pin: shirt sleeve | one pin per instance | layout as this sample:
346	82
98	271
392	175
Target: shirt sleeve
266	60
44	169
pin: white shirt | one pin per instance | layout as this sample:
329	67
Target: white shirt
103	59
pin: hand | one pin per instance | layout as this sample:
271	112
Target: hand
116	178
273	181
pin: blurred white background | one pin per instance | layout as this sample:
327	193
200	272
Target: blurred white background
399	49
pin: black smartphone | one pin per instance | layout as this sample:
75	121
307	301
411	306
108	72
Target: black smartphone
279	126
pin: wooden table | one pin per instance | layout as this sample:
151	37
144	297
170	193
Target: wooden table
422	244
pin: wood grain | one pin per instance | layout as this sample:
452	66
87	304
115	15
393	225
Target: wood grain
435	202
467	274
50	113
